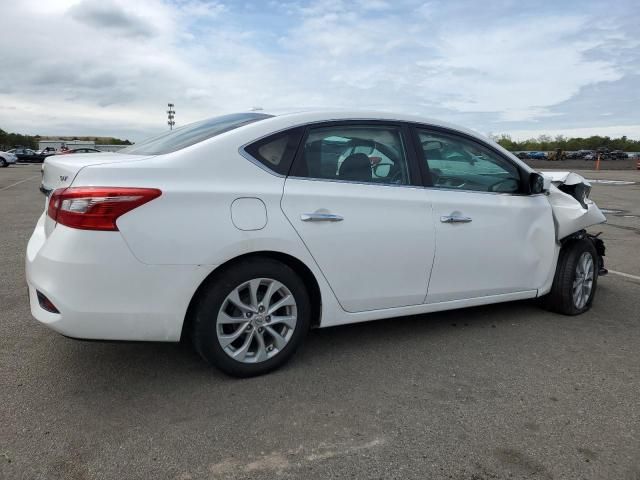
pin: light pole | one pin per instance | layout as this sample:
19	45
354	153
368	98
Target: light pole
171	114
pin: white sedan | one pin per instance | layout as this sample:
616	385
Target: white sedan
243	231
7	159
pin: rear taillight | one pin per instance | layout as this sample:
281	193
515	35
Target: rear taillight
96	208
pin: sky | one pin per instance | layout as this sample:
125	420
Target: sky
524	68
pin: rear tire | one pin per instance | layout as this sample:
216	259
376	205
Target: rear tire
238	326
576	279
3	163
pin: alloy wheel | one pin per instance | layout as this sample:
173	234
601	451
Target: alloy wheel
256	320
583	283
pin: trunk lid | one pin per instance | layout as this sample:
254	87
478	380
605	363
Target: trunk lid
58	171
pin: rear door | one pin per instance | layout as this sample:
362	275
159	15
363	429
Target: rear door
492	237
353	197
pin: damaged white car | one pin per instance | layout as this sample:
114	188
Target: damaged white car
244	231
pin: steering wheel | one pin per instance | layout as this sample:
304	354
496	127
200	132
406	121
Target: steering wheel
394	175
435	175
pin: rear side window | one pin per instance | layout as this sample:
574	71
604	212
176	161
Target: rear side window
354	153
193	133
276	151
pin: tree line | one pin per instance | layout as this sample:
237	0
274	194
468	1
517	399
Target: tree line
548	143
11	140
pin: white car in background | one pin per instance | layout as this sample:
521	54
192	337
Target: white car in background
7	159
245	230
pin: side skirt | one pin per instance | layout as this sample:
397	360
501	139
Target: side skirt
348	318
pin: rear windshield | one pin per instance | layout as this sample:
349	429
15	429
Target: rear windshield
193	133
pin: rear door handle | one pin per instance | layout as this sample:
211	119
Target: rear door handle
455	219
321	217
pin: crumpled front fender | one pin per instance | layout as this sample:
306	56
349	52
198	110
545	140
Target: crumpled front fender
569	214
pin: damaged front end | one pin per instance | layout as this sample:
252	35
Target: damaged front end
573	211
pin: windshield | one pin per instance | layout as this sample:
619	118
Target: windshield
193	133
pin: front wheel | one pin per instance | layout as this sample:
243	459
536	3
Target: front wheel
3	163
251	317
576	279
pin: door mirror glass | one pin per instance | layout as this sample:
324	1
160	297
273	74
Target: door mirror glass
538	183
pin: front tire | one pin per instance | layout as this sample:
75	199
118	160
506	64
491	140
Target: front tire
250	318
576	279
3	163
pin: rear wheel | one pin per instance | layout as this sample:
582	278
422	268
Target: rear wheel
576	279
251	317
3	163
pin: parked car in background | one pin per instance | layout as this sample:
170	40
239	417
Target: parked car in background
28	155
618	155
537	155
47	151
81	150
243	231
7	159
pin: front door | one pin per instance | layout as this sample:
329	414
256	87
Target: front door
351	199
491	237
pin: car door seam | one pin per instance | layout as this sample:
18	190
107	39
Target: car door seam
306	246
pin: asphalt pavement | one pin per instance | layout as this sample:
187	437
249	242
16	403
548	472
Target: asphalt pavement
502	391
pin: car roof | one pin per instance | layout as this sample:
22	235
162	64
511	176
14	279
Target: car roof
328	114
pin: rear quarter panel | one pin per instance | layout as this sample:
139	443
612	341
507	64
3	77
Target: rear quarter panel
191	223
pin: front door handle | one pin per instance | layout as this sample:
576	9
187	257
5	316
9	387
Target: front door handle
320	217
455	219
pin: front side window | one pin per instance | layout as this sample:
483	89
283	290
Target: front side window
193	133
354	153
455	162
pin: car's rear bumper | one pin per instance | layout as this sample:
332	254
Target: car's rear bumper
102	291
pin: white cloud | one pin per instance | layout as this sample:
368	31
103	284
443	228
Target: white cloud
110	66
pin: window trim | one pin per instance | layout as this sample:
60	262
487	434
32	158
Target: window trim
414	179
524	189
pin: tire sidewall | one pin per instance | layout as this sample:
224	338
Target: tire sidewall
204	333
573	254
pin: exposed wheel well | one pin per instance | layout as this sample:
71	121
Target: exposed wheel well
300	268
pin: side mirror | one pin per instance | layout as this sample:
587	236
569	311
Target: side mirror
539	183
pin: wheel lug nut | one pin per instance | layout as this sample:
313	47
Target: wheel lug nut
261	308
260	329
248	314
249	328
267	318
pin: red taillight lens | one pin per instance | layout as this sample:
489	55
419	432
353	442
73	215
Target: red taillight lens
96	208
